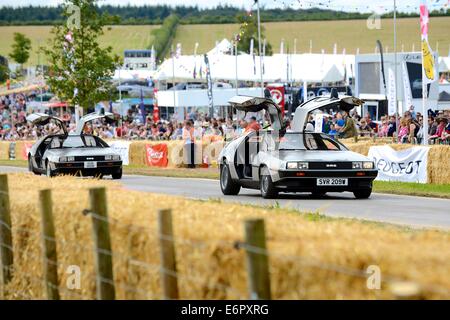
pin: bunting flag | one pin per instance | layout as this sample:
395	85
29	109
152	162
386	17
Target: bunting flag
406	86
209	82
428	62
178	52
153	58
264	55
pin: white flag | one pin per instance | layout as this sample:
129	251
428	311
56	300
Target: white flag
391	92
406	86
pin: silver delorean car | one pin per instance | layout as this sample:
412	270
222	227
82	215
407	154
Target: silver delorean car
73	153
276	160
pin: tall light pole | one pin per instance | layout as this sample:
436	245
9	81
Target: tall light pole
259	48
236	63
395	67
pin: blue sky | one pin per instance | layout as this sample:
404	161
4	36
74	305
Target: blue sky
350	5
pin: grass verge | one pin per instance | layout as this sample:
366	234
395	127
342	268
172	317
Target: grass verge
389	187
310	257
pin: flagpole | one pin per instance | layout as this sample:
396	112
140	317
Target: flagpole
236	64
259	49
397	121
424	38
173	79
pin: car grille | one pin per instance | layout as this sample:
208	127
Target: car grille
330	165
89	158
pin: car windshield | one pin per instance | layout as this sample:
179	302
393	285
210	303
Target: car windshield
309	141
75	142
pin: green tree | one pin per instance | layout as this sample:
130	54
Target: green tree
79	69
249	30
21	48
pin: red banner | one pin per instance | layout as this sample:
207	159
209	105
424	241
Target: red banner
277	93
26	149
157	155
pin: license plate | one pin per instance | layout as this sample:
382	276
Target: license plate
332	182
90	164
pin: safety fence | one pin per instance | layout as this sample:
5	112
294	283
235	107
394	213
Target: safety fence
127	274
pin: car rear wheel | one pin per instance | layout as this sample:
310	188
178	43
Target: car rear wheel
268	190
117	175
227	185
362	194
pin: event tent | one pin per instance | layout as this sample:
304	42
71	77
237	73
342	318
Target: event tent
279	67
444	64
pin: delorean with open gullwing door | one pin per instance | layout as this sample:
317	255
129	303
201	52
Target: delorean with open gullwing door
73	153
276	160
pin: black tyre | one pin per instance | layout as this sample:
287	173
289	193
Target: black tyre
31	167
48	170
117	175
227	185
318	194
362	194
268	190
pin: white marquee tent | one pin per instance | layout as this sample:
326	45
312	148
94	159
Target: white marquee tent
279	67
444	64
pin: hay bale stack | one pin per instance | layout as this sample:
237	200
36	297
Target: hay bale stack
4	150
439	164
210	267
137	153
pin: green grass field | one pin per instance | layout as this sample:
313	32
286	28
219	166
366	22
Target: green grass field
349	34
119	38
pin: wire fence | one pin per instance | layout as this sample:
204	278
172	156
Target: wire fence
171	280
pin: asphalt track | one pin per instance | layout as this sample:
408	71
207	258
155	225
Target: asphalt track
417	212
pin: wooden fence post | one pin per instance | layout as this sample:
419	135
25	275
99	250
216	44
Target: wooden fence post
102	241
168	258
49	246
257	260
5	232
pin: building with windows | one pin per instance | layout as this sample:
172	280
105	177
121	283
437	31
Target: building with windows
138	60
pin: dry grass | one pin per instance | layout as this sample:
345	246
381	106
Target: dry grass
205	231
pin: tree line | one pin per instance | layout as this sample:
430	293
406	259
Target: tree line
129	15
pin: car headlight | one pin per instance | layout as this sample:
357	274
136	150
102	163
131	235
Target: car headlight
66	159
291	165
297	165
357	165
368	165
303	165
114	157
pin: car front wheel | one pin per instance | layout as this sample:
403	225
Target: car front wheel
30	166
268	190
117	175
48	171
227	185
362	194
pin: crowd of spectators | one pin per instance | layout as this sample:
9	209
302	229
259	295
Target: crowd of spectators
133	126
